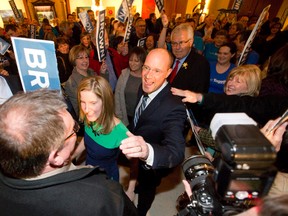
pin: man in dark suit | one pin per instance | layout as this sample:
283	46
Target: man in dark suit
158	139
193	71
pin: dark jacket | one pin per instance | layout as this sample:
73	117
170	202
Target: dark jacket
84	191
161	124
261	109
14	83
194	74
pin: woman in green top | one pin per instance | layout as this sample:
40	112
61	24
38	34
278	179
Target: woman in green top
103	131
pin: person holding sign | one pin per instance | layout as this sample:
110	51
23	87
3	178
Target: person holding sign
240	41
79	57
140	32
116	59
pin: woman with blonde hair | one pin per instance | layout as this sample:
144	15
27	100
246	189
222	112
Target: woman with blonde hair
243	80
103	131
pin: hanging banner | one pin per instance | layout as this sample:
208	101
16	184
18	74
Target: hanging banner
147	7
124	9
245	52
100	39
237	4
32	58
226	11
16	12
128	29
85	19
160	5
4	46
32	31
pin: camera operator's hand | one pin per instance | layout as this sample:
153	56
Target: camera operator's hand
209	156
187	188
275	137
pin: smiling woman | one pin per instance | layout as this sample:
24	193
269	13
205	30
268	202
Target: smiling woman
103	132
79	58
220	69
244	80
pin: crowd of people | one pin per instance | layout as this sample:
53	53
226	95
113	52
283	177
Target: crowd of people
131	105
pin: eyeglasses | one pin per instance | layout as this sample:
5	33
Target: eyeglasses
82	57
146	68
75	130
181	43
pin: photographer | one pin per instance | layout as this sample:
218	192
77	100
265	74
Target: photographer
266	206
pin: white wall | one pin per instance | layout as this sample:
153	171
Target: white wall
106	3
73	5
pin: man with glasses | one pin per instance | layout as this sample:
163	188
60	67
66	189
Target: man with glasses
37	136
158	139
140	32
191	71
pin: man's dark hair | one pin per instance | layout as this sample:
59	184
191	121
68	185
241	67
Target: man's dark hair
11	27
69	14
244	35
140	52
151	15
190	20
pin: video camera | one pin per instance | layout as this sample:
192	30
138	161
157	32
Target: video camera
239	177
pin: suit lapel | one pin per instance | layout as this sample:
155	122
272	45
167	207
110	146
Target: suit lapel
185	66
154	104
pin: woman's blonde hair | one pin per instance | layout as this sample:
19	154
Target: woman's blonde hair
101	88
252	76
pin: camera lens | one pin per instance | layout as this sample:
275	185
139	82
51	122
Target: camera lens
196	168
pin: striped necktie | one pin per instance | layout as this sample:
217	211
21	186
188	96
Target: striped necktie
140	108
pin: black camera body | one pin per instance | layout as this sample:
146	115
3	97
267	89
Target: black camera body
245	171
238	178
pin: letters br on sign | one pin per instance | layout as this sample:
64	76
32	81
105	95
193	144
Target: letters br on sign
32	58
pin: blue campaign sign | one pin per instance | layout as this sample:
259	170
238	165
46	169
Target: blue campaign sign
4	46
37	65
